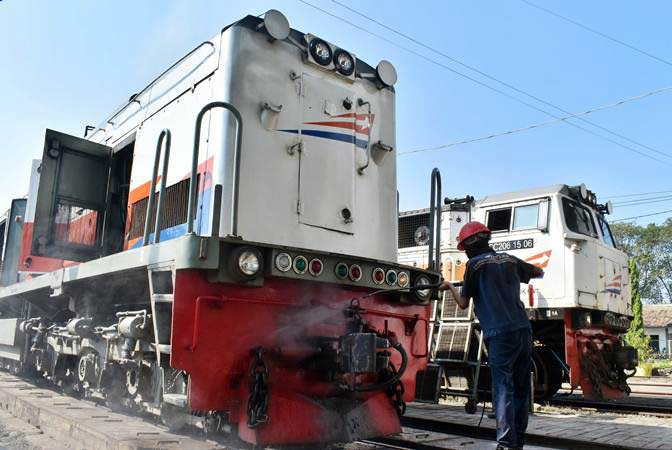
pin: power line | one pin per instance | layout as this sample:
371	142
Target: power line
599	33
541	124
627	147
637	195
643	202
635	200
510	86
644	215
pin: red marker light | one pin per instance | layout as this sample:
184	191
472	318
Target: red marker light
378	275
355	272
315	267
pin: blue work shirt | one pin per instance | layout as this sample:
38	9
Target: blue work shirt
493	281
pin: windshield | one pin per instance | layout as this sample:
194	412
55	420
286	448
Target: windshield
578	218
606	232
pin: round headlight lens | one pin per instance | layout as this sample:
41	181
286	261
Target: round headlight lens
344	62
248	263
423	281
283	262
320	51
403	279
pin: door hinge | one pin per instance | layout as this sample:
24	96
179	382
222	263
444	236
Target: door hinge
298	206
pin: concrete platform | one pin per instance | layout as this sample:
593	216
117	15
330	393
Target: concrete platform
605	429
82	425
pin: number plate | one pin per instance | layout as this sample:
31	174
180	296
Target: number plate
517	244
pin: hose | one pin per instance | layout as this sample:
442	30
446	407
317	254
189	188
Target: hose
392	380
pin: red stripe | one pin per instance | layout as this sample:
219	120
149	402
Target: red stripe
345	125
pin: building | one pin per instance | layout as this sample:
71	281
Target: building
658	326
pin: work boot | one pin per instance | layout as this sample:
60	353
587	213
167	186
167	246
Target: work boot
503	447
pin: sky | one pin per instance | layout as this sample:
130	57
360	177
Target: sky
64	65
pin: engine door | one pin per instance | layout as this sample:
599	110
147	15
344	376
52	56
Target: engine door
327	168
72	198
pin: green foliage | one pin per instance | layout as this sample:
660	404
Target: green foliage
662	364
636	335
651	248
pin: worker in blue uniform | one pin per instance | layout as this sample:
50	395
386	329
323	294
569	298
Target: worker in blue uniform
493	280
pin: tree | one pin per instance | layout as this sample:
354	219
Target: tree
636	336
651	248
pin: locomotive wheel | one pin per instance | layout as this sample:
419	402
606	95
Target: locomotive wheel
132	381
87	370
547	373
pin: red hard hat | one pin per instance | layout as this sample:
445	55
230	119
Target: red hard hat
468	230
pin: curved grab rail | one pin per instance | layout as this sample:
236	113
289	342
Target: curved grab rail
194	165
434	260
165	134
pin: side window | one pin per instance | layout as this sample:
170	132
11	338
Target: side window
606	232
578	218
499	219
525	217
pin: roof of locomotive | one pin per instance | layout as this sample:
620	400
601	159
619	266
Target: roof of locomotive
252	23
524	194
506	197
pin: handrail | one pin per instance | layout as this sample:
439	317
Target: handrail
434	261
165	133
193	197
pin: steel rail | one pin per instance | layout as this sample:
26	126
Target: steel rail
473	431
612	407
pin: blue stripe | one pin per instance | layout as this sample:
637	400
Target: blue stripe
341	137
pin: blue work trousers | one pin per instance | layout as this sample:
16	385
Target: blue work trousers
509	356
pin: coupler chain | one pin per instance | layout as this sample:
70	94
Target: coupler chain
258	398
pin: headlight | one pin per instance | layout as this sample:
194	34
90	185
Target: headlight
283	262
344	62
248	263
245	263
423	294
320	51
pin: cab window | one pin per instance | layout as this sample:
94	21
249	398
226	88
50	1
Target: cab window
499	220
607	237
525	217
578	218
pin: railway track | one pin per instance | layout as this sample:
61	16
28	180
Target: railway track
624	407
472	431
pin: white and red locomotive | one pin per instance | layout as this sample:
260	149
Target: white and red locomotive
225	245
580	309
